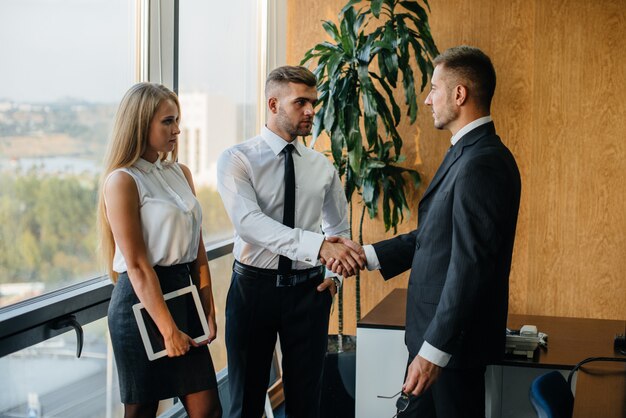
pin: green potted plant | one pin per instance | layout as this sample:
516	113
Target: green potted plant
368	57
357	73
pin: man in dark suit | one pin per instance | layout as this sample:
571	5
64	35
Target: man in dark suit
460	254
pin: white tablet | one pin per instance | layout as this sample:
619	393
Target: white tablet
186	309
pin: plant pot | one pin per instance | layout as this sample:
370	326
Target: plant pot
339	378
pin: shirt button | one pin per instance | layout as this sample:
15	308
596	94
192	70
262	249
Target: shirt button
308	259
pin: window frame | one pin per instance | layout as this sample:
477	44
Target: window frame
31	321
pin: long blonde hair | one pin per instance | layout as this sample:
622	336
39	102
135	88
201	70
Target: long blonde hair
127	144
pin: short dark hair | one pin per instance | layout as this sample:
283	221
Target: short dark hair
472	66
289	74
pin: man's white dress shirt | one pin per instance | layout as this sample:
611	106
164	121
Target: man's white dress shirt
250	180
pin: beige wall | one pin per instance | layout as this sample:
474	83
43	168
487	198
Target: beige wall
559	107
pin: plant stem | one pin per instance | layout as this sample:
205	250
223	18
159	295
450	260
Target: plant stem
340	313
358	273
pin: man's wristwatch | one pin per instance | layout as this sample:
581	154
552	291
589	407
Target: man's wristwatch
337	282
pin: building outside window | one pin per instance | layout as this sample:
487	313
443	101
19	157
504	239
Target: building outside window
219	63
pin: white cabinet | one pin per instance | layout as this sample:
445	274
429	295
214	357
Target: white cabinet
381	359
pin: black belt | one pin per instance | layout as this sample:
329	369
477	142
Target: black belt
282	280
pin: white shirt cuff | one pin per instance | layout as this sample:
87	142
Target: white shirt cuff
372	258
309	249
434	355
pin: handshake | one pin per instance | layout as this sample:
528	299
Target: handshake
342	256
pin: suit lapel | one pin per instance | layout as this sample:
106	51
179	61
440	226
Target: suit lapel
456	152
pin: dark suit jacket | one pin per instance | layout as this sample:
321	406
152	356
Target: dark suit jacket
460	254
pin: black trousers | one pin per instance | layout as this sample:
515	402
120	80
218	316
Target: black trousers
256	312
457	393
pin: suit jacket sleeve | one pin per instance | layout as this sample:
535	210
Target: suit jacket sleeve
396	254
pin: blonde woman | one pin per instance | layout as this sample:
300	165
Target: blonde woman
152	243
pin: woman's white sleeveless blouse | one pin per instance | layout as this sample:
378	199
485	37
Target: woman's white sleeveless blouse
171	216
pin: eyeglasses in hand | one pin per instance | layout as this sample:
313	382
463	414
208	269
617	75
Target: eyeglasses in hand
401	404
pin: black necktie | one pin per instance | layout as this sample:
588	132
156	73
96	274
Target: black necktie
289	214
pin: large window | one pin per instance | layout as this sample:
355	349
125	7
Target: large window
218	67
66	64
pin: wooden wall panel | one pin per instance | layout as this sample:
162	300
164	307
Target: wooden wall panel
561	69
578	222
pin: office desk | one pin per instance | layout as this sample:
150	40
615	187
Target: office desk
381	360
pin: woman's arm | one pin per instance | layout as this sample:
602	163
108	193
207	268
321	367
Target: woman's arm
201	274
122	210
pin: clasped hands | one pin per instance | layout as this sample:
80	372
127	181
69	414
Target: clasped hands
342	256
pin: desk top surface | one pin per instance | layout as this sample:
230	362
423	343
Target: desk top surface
570	340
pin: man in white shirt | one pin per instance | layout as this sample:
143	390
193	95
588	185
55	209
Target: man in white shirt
283	198
460	255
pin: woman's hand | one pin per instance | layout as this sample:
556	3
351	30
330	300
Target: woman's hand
178	344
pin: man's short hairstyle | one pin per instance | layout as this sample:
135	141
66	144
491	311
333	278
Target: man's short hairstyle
288	74
471	67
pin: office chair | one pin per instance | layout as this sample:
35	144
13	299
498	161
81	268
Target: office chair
551	396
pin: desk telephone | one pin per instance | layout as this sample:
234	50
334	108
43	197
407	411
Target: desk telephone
525	340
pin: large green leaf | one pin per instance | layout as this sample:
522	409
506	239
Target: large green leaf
354	154
391	63
329	113
337	145
363	55
358	21
409	93
394	106
318	123
369	186
332	30
425	67
348	36
351	117
371	128
367	91
385	114
335	62
415	8
376	5
407	72
325	47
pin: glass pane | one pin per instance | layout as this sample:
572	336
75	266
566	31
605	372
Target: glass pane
221	270
218	68
47	380
70	63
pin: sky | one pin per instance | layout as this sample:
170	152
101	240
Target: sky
84	49
52	49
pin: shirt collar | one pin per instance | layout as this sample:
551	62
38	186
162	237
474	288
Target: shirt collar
276	143
147	166
474	124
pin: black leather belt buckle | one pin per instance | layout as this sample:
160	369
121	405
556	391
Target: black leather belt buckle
284	281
